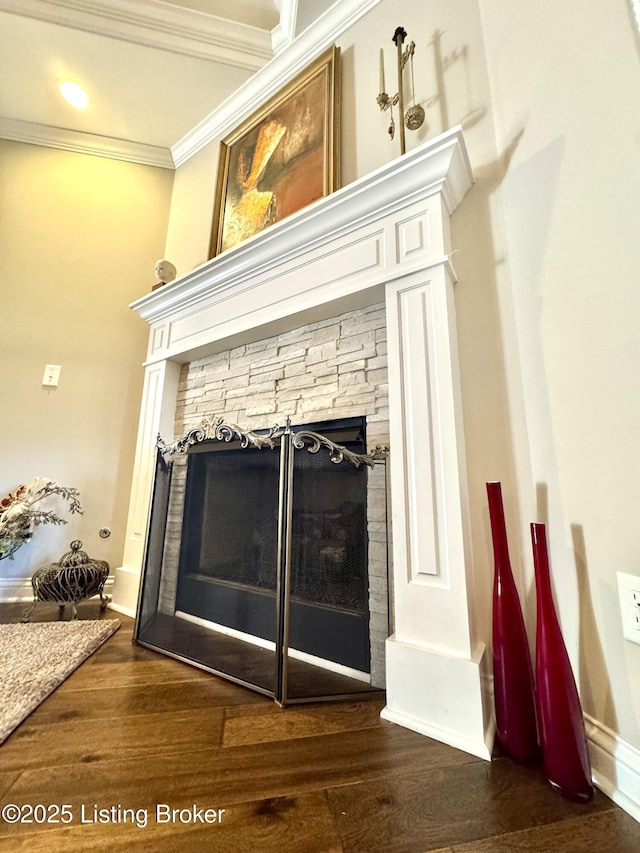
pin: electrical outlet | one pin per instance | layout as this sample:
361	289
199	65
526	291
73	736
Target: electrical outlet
629	594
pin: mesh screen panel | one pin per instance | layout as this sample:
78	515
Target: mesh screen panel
212	587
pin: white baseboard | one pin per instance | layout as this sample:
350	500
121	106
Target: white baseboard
444	697
615	765
451	738
119	608
15	589
127	586
19	590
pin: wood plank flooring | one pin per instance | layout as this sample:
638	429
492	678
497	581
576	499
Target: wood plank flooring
133	734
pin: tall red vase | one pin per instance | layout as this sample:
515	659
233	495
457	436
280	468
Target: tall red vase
516	728
562	733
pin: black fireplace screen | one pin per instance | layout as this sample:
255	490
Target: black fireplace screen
257	563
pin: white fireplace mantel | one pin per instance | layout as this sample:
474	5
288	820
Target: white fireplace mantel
385	236
373	229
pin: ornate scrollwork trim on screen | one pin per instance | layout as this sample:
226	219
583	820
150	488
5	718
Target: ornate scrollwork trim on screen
214	427
313	441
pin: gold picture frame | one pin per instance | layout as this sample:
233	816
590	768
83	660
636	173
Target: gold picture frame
282	158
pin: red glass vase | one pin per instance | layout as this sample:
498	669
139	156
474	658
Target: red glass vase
562	733
516	728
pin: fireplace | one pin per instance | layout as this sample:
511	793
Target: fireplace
257	562
385	238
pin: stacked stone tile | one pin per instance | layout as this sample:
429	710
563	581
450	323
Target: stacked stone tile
334	368
331	369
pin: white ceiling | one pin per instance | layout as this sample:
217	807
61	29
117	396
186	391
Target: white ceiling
153	69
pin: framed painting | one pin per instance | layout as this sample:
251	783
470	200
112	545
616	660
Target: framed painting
282	158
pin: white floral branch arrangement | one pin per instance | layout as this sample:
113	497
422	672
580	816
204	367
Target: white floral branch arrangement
21	511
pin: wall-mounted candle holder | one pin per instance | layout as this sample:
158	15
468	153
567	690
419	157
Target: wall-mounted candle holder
414	117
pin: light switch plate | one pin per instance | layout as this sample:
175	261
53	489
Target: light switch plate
51	376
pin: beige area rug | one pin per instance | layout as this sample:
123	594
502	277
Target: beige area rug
36	657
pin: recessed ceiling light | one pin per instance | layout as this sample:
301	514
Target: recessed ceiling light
74	94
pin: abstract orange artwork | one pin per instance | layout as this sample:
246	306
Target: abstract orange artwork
282	158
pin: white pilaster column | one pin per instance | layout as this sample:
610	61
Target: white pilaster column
156	416
435	669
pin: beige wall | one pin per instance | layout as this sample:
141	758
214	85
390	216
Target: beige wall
548	260
569	305
79	237
190	221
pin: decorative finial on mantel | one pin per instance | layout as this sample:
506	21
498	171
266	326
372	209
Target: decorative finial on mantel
165	272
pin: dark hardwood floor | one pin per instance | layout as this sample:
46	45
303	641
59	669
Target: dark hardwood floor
136	734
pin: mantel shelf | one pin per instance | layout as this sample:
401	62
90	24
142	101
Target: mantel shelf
441	165
330	253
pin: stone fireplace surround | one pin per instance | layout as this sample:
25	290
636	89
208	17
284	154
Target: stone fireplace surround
382	239
334	368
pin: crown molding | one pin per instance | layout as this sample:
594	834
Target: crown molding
271	77
156	24
285	30
150	21
85	143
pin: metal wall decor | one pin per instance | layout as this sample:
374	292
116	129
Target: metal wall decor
414	116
